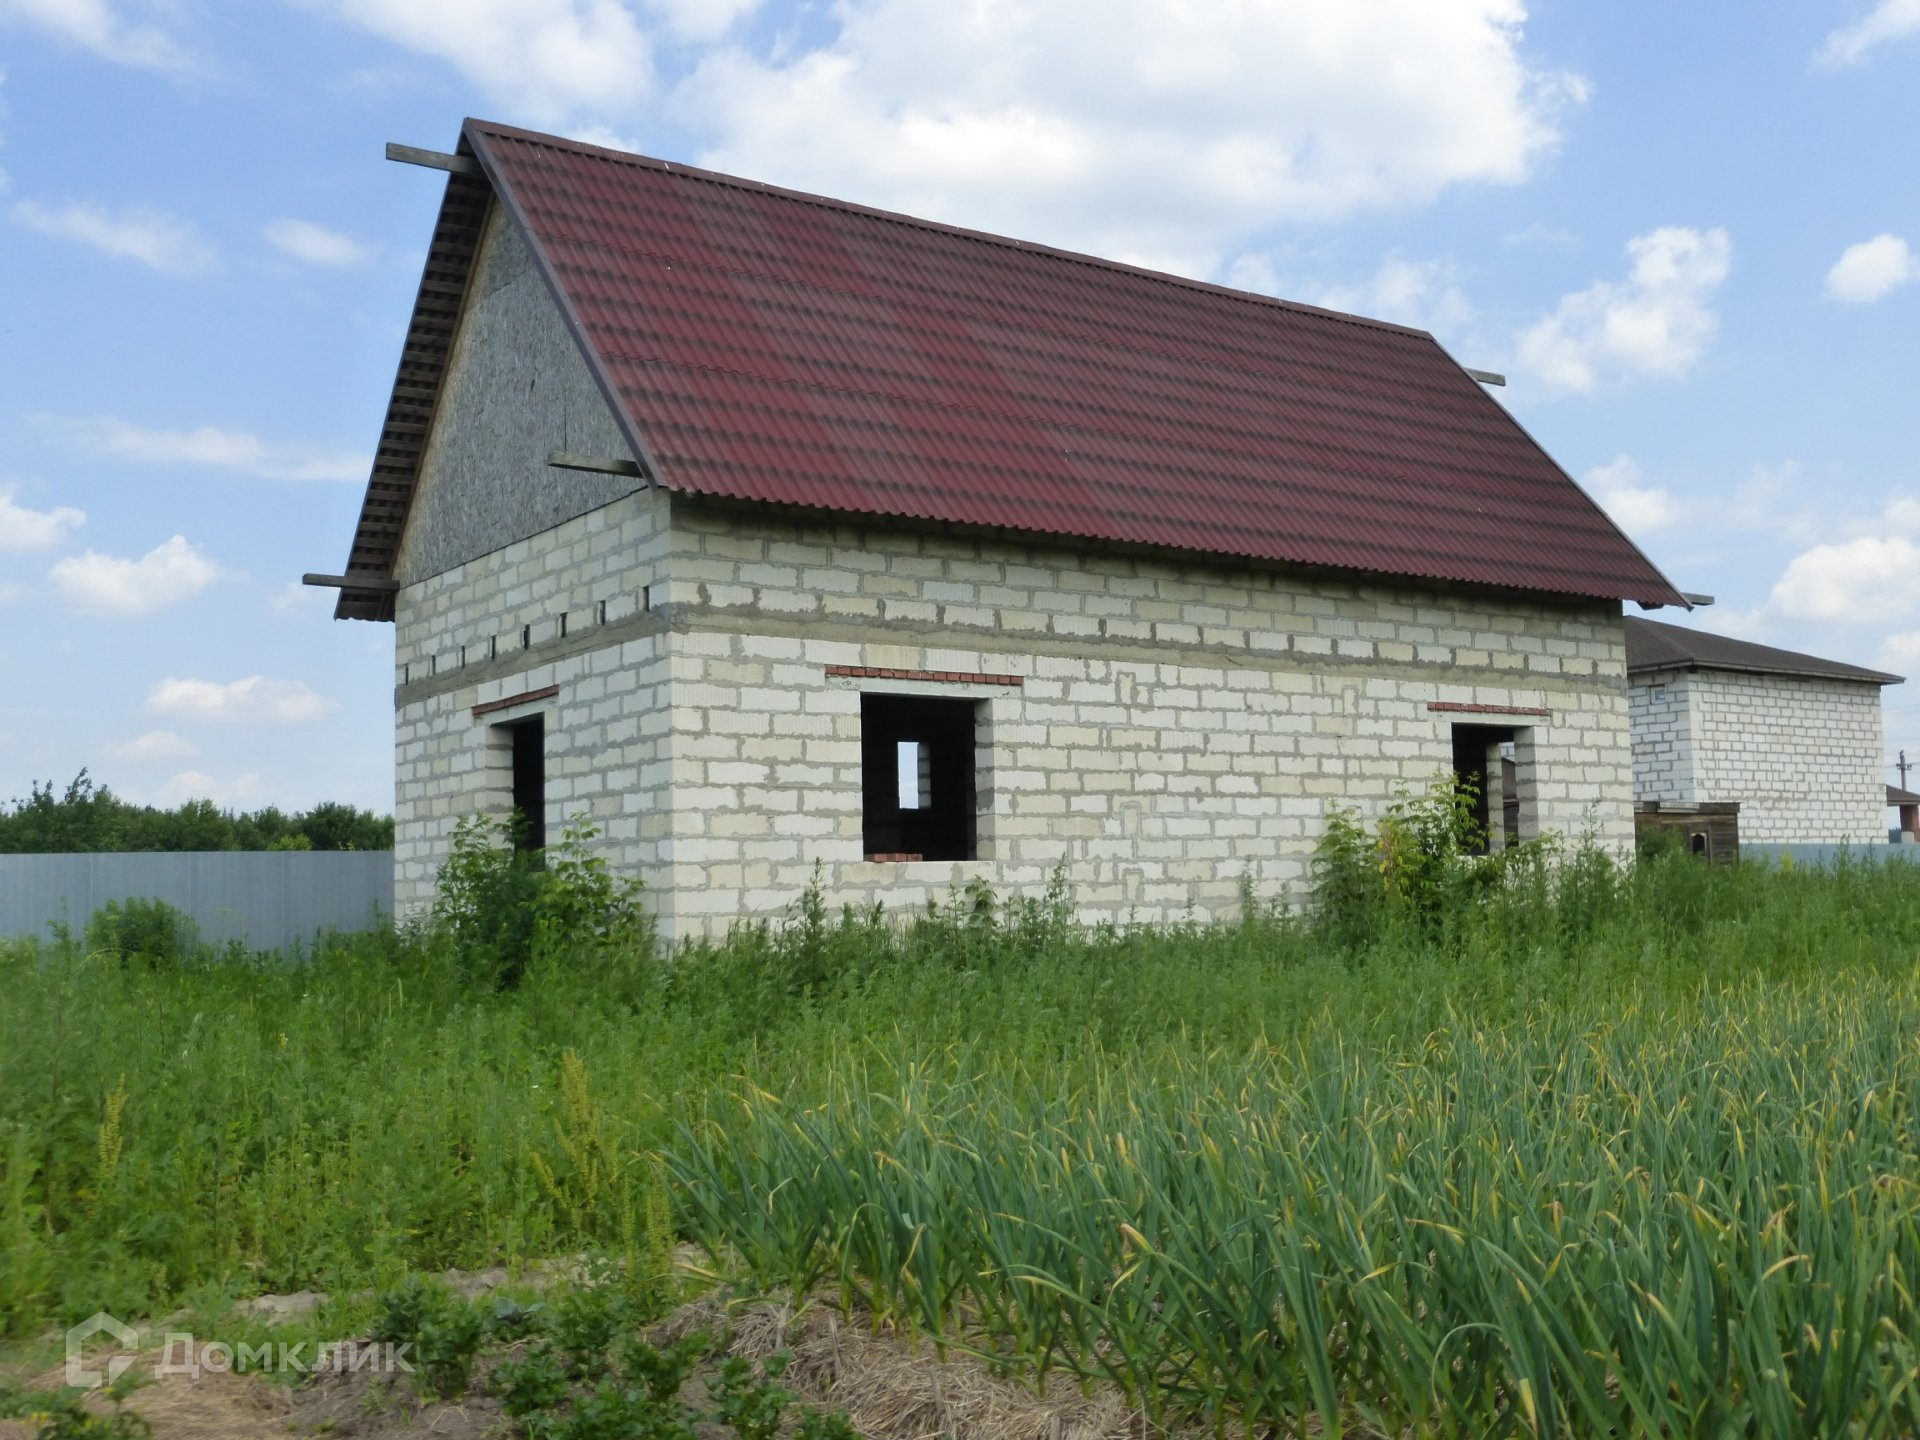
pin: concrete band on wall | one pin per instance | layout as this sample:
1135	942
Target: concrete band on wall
267	900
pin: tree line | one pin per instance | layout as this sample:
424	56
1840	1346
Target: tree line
90	818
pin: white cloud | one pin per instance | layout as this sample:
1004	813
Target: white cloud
701	20
96	584
242	792
1872	270
209	447
1151	130
154	745
1542	234
1888	20
549	61
1424	294
165	242
313	244
23	529
1657	321
1900	652
295	598
607	137
1621	490
1869	578
98	27
255	700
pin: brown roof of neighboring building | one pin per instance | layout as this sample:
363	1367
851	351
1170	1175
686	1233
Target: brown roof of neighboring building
765	345
1655	645
1897	796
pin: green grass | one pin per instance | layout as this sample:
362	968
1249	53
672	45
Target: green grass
1566	1151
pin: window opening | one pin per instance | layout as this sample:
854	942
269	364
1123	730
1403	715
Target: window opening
1488	777
529	743
919	764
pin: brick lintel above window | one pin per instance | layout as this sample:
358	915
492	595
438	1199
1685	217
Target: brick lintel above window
948	677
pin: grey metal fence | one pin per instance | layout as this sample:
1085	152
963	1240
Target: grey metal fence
1830	854
268	900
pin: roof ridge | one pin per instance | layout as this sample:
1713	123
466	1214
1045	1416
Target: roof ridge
940	227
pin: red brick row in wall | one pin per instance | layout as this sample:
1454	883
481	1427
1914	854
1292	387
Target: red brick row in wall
951	677
1458	708
492	705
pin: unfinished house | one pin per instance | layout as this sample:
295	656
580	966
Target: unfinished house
771	533
1792	741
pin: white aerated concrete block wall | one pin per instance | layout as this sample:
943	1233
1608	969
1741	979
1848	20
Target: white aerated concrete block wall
571	609
1177	726
1802	756
1664	744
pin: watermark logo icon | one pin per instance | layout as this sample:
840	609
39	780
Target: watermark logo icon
182	1354
79	1375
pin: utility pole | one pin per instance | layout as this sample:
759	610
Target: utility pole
1903	769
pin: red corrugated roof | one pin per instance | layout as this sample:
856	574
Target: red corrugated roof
768	345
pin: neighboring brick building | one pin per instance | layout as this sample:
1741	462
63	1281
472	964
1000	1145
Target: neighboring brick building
909	542
1794	740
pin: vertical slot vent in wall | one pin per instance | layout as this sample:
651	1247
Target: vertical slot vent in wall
493	647
526	637
433	664
563	624
603	612
463	657
646	597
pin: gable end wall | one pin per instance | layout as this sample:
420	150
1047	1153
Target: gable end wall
516	389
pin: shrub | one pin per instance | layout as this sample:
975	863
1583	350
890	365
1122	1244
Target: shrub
530	1385
504	908
444	1331
484	902
149	930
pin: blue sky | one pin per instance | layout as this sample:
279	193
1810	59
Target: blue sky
1689	233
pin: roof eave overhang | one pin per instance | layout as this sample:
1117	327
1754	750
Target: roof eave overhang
417	387
1855	677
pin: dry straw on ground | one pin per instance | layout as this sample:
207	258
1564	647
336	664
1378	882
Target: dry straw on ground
895	1390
